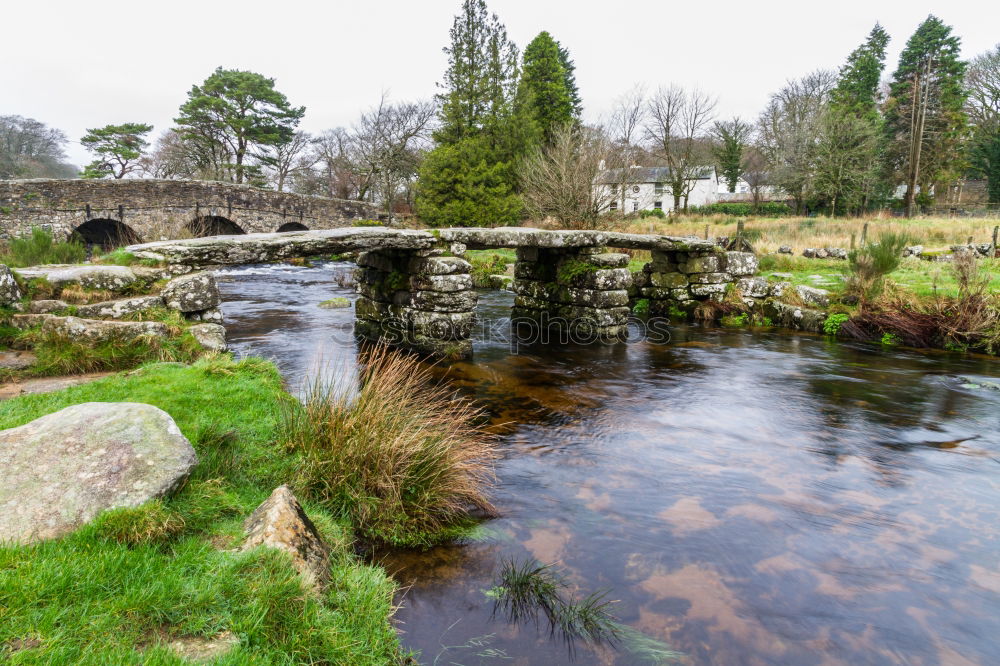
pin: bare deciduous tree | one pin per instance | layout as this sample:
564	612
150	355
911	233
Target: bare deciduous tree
789	128
675	129
563	180
291	158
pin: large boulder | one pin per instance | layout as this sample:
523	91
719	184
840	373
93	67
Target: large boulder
99	330
210	336
813	296
60	471
281	523
9	291
192	293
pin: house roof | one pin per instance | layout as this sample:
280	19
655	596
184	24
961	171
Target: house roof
646	175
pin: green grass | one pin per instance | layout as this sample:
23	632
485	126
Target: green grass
40	248
922	278
108	593
489	262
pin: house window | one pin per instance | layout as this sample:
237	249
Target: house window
658	205
635	206
614	205
658	188
614	188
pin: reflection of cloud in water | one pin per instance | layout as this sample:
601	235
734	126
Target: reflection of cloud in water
750	498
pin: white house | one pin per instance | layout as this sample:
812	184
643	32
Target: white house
647	188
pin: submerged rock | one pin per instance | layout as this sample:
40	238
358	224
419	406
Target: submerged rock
61	470
281	523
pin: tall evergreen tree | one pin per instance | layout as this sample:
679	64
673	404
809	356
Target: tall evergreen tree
240	115
732	138
544	101
468	179
569	71
924	114
857	88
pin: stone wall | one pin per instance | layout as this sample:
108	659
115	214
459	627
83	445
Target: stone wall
161	209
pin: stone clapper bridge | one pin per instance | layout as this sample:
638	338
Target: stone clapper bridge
415	289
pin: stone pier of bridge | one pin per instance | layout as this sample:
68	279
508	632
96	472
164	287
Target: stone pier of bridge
415	289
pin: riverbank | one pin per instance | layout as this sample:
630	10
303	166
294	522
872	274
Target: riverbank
134	584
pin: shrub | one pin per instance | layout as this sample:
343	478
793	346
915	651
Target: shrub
869	265
40	248
655	212
741	209
833	323
396	454
641	306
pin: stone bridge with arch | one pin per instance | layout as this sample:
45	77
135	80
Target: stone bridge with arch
119	212
415	288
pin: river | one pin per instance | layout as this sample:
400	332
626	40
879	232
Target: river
746	497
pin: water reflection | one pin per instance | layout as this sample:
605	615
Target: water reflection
750	498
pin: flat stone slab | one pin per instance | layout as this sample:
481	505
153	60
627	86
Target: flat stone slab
61	470
17	360
257	248
111	278
47	384
481	238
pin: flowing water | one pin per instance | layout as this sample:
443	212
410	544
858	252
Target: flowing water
745	497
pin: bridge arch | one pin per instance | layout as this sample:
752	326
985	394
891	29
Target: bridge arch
214	225
292	226
106	232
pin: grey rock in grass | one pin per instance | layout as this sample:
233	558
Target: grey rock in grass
110	278
195	292
100	330
210	336
785	249
212	315
17	360
119	308
812	296
9	291
279	522
60	471
46	306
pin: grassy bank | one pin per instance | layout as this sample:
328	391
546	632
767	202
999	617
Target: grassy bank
119	589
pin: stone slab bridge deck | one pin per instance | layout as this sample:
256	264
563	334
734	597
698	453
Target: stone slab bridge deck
415	289
117	212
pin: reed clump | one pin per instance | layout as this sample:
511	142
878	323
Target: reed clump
397	454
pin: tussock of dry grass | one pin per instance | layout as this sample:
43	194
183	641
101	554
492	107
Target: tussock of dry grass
399	455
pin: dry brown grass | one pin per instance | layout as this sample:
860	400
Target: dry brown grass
399	455
77	295
768	234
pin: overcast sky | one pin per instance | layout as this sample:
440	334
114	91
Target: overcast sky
75	65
